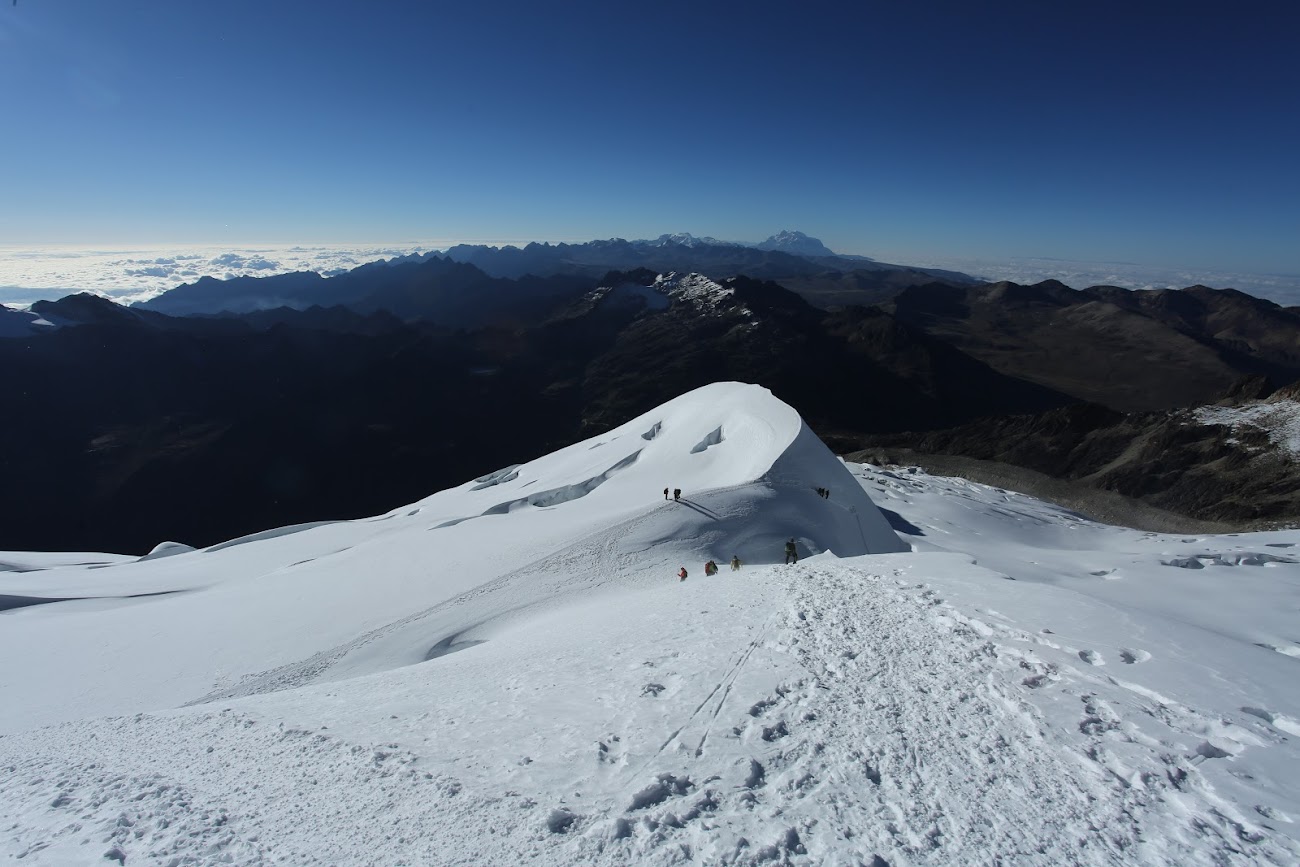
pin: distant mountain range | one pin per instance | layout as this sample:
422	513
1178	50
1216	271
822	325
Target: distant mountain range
313	398
462	287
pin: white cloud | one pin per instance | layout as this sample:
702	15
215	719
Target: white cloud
28	275
241	263
152	271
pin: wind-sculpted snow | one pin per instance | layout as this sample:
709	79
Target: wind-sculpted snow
711	439
509	474
565	493
1233	558
267	534
443	686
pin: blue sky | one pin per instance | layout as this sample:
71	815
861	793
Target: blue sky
1169	134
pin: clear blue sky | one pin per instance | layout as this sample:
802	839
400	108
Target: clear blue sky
1169	134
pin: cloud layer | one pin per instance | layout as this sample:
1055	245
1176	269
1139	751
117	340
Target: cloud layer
28	275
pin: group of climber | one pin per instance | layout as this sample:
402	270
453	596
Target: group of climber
711	568
824	493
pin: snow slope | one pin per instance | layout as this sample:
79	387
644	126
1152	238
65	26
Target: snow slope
293	605
478	678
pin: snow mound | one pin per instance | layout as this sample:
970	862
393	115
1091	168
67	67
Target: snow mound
167	549
286	607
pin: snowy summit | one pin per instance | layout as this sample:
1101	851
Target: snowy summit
513	670
796	243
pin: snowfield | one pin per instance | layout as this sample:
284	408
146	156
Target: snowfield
1278	417
511	671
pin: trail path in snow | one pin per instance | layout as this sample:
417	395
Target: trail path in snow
910	737
826	713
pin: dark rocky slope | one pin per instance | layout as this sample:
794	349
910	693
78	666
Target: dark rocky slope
1228	466
1130	350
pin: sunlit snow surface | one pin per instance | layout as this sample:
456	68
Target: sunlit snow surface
1025	687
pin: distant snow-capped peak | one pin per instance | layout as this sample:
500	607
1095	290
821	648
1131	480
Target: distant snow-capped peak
797	243
686	239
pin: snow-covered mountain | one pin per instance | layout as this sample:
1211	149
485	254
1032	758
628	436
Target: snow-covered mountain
511	670
796	243
686	239
786	241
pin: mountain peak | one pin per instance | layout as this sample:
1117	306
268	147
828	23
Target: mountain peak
686	239
797	243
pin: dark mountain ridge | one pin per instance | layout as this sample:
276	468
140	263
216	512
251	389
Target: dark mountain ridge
139	426
138	429
1182	462
436	290
775	261
1132	350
